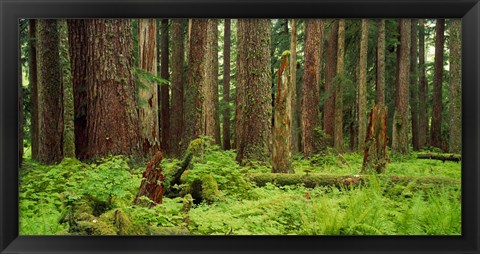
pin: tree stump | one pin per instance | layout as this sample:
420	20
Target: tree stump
375	152
152	183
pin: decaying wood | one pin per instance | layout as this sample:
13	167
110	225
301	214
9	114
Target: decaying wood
440	156
375	153
152	183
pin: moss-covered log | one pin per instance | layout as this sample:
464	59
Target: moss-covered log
440	156
314	180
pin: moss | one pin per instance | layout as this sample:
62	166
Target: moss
122	222
153	230
209	188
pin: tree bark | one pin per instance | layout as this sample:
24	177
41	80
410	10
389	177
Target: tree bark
381	62
311	84
423	89
330	72
375	153
50	92
437	105
147	61
194	118
112	118
414	85
400	118
295	112
281	156
177	125
226	84
164	89
152	183
253	107
32	80
338	131
455	96
362	87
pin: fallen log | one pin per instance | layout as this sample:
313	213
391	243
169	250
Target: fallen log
314	180
440	156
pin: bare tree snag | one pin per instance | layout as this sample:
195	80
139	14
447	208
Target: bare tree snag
152	183
375	153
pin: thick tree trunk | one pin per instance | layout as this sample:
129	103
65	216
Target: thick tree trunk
194	118
152	183
375	153
380	88
400	118
164	89
77	39
437	105
253	107
147	61
295	127
455	96
50	92
32	80
216	102
362	87
311	84
176	119
112	118
226	84
422	90
414	85
330	72
281	156
338	131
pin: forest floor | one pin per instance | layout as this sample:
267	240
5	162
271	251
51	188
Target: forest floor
75	198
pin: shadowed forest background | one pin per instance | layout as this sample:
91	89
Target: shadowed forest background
240	127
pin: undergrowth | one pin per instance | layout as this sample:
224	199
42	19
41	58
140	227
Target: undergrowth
97	198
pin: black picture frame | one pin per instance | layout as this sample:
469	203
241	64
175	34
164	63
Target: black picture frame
12	10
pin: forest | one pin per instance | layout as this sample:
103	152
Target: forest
240	127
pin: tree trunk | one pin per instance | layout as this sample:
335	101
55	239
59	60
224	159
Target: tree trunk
455	96
311	84
253	107
164	89
112	118
437	106
152	183
281	157
330	72
414	84
295	134
50	92
147	61
226	85
69	135
177	86
32	80
196	80
375	153
362	87
400	118
381	62
216	103
338	131
422	90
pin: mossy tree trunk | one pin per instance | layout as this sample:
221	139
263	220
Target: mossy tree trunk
330	72
50	92
196	80
455	96
178	28
400	118
437	105
414	84
226	84
77	41
164	96
112	118
148	93
33	85
375	153
281	156
338	131
295	112
253	107
380	87
362	87
311	84
423	89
